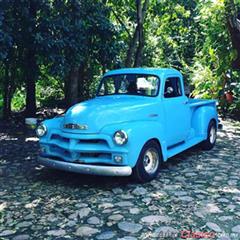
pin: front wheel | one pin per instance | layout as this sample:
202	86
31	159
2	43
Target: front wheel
149	162
209	143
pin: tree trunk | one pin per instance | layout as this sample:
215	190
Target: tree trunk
138	36
31	77
31	67
138	57
131	49
81	82
7	94
66	87
71	96
235	38
232	25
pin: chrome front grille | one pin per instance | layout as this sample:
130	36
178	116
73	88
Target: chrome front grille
83	149
58	137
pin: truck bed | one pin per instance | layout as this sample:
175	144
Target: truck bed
199	102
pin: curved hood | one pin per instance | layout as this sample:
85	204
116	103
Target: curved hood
93	115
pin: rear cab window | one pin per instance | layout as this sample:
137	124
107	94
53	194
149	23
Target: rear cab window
172	87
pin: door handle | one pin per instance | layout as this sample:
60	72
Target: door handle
185	102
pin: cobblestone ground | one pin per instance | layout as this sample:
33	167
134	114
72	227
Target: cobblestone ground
196	191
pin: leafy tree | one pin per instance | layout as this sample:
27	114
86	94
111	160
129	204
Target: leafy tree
50	49
68	37
83	41
20	20
9	55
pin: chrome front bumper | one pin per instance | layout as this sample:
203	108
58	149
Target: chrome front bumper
86	168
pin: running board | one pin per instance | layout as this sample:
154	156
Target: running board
184	146
175	145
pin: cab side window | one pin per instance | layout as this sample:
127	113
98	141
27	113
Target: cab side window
172	87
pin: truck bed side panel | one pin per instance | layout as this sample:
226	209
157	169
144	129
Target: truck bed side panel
202	113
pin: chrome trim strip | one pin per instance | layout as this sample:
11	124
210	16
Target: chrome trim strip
86	168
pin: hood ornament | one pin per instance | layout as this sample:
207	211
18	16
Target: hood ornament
76	126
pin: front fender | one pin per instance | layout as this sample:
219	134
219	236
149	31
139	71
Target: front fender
139	132
51	124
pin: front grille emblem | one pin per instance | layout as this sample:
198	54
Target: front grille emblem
75	126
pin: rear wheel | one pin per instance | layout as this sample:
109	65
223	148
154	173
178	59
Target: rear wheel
209	143
149	162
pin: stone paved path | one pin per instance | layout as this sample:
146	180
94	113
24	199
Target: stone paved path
196	191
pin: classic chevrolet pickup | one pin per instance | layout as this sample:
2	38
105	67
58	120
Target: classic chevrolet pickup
139	118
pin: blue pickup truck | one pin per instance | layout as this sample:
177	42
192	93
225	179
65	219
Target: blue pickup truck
139	118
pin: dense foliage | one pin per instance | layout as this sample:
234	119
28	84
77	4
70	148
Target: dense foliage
54	51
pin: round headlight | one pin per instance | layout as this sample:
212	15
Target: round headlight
120	137
41	130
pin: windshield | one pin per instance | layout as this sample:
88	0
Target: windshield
130	84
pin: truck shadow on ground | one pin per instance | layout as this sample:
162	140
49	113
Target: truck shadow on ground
19	152
191	156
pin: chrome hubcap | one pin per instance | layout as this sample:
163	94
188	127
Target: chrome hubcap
151	160
212	135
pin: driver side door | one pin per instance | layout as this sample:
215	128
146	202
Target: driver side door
177	111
